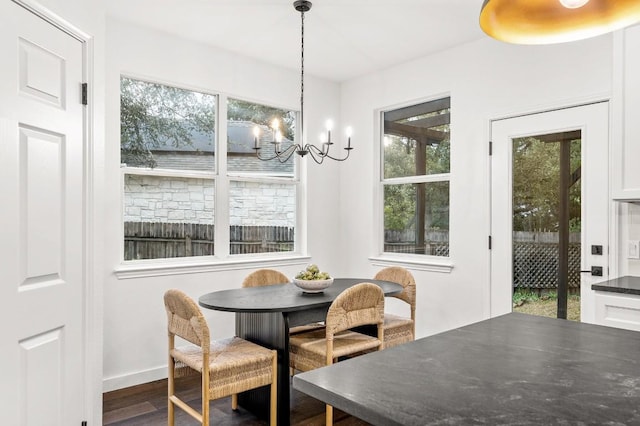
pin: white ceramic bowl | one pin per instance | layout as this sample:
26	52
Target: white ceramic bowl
312	286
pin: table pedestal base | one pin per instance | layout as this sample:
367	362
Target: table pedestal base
271	330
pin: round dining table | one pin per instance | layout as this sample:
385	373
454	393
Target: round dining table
264	316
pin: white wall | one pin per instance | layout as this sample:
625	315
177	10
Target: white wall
486	79
134	318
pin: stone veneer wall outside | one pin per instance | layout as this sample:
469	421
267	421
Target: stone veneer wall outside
260	204
191	200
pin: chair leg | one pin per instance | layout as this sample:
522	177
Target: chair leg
329	361
234	401
170	392
205	400
329	415
273	417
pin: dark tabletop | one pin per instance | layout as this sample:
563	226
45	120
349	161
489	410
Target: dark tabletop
515	369
627	285
284	297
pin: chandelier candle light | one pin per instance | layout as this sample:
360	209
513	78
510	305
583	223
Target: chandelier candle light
303	148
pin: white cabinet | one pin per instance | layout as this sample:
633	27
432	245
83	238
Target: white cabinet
626	115
618	310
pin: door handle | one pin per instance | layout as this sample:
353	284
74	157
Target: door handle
595	271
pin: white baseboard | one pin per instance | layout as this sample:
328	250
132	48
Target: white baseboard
133	379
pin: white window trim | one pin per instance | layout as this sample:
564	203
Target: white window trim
414	261
192	174
194	265
440	177
221	215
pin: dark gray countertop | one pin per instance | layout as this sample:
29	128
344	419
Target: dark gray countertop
626	285
515	369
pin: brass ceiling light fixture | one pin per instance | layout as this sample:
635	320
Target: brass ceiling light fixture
555	21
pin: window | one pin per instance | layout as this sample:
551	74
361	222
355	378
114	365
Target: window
170	166
243	119
262	194
415	178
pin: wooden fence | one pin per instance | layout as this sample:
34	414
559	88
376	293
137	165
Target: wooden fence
436	243
261	239
535	259
152	240
535	255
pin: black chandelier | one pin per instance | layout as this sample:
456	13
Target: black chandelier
317	153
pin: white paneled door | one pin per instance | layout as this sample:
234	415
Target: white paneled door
42	218
591	125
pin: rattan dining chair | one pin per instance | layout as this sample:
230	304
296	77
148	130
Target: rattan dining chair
362	304
227	367
399	329
263	277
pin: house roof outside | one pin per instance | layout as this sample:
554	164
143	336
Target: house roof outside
199	153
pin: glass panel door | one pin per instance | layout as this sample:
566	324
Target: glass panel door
546	224
527	156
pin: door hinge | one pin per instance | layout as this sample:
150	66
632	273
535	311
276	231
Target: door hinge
490	148
489	242
84	96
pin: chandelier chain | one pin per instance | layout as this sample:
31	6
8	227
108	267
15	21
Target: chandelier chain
302	75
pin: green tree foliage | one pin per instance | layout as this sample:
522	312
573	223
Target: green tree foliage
400	157
154	115
263	115
400	200
399	207
536	177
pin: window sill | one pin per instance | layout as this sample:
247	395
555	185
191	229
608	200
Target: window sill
155	268
417	263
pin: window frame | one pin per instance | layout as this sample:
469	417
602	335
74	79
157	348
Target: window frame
380	258
222	180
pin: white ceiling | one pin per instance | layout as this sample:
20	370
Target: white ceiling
343	38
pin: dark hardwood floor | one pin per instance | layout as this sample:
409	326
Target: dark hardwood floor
146	404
